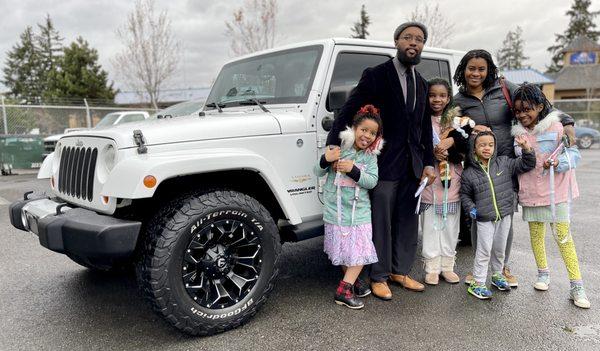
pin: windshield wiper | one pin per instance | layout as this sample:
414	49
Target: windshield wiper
218	106
254	101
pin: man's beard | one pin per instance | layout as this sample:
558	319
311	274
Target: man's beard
405	60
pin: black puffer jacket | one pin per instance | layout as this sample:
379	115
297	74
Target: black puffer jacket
493	111
494	200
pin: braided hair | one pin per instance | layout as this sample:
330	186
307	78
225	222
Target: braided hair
445	120
492	70
368	112
533	96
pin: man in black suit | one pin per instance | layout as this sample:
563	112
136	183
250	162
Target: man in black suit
400	93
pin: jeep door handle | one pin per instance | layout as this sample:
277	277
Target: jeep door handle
327	123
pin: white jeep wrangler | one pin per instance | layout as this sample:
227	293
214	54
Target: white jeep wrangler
200	204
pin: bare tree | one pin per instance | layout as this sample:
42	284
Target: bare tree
253	26
439	28
151	53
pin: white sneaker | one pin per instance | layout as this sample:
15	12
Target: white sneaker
542	283
579	297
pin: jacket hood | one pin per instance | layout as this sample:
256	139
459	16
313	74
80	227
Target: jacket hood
542	126
473	157
347	138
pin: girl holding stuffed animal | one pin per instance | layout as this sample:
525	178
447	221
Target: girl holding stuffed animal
351	171
546	192
440	202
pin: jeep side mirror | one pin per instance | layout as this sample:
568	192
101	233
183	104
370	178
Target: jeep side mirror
327	123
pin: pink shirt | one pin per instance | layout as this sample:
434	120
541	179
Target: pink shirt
455	172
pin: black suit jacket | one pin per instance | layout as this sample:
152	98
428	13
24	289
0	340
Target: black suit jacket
408	137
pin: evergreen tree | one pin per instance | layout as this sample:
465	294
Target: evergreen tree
21	70
49	45
80	75
360	27
512	54
580	24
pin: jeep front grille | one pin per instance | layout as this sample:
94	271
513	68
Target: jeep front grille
76	172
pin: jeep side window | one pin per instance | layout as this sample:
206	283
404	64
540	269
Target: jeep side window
433	68
348	69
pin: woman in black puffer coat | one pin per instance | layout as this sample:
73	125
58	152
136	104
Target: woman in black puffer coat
481	98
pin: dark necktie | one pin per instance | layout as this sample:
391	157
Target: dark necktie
410	90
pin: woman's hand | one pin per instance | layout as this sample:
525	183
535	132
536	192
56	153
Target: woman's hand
445	144
344	166
332	153
481	128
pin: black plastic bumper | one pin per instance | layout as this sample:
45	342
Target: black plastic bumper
82	233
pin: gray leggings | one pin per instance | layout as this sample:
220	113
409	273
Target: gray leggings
508	242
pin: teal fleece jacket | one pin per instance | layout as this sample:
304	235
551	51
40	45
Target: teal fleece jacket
364	174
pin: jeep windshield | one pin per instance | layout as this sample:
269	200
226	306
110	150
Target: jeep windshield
275	78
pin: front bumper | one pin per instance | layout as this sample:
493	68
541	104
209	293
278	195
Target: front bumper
75	231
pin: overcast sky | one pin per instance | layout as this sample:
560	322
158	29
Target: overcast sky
199	26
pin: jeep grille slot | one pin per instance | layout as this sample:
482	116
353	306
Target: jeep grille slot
76	172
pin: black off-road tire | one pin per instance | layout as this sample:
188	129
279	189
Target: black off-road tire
165	255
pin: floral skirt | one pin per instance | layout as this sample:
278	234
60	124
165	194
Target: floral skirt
349	245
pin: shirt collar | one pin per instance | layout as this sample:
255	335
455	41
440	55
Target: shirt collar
400	66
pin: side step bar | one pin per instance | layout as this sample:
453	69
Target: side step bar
302	231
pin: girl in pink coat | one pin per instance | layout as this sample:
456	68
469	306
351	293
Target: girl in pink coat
546	192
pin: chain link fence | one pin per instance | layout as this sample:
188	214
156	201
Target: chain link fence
24	127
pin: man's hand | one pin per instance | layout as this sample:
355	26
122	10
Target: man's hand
480	128
570	132
345	166
332	153
522	141
429	173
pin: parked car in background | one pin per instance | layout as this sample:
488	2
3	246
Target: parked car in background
181	109
586	137
109	120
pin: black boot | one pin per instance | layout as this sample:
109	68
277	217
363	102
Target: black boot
344	295
361	288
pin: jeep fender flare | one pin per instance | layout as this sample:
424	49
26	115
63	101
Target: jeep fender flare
126	179
45	171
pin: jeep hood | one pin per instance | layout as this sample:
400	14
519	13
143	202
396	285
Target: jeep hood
195	128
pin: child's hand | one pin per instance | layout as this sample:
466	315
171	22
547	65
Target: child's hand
522	141
473	213
332	153
547	164
345	165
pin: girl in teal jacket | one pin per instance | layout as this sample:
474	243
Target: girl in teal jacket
351	171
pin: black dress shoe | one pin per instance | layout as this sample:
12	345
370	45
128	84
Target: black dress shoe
361	289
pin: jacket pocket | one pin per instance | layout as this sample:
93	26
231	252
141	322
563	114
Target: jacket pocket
547	142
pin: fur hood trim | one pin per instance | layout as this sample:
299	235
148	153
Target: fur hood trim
541	127
347	138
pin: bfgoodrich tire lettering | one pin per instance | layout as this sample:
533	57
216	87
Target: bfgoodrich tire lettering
209	261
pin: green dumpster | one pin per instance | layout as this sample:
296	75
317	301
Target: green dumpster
21	151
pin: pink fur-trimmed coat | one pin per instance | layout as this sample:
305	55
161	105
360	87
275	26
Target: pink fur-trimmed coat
534	186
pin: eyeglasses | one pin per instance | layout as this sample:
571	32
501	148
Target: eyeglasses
408	37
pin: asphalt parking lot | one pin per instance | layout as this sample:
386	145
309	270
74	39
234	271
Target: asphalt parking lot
48	302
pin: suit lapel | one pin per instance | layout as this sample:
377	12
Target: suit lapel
395	82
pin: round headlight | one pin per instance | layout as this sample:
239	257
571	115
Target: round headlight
110	154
